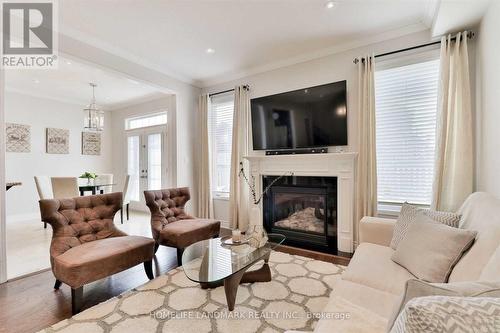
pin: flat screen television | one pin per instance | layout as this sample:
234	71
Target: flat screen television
305	118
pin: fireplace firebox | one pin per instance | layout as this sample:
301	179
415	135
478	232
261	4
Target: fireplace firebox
304	209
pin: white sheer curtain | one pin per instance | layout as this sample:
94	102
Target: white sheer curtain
238	190
453	174
205	205
367	161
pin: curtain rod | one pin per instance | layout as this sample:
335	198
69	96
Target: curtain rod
470	35
246	87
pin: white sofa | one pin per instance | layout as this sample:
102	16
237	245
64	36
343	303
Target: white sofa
372	283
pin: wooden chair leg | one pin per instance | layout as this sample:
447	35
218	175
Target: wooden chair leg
179	256
121	215
57	285
156	247
76	299
148	267
128	212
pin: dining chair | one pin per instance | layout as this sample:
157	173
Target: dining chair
103	179
65	187
126	197
44	189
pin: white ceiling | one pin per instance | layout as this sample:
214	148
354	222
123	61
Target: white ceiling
248	35
70	84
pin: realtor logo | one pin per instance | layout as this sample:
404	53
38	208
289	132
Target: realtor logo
29	35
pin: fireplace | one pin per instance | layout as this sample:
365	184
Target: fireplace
304	209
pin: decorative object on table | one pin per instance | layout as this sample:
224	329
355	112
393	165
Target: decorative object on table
89	176
93	116
256	234
57	141
228	240
236	236
91	143
17	138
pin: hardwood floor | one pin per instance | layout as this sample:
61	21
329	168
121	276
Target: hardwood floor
29	304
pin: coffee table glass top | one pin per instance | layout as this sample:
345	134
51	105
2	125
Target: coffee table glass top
211	261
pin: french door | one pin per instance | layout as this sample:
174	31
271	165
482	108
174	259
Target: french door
146	162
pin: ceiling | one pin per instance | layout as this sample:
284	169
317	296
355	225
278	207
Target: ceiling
248	36
70	84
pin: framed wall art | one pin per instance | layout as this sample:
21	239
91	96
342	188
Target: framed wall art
17	138
57	141
91	143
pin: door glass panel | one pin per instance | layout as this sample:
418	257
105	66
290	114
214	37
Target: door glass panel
154	161
133	166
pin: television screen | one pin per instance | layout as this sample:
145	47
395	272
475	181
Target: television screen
305	118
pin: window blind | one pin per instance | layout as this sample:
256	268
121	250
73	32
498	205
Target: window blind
221	130
406	111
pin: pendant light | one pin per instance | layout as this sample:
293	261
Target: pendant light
93	116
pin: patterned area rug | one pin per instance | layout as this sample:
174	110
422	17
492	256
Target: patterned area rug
171	303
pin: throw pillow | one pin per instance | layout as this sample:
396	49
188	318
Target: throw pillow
418	288
411	214
449	314
430	250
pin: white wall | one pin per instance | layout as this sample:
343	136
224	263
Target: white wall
332	68
39	113
488	93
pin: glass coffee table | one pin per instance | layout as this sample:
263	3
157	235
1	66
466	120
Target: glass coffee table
212	263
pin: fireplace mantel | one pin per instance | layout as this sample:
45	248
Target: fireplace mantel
340	165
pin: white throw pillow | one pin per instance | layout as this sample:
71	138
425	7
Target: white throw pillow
412	214
430	250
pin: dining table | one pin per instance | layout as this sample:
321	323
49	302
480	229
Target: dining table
94	188
9	185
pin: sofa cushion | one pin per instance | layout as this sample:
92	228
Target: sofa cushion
372	266
95	260
413	214
431	250
347	317
375	300
480	212
419	288
186	232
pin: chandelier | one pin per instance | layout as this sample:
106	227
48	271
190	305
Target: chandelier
93	116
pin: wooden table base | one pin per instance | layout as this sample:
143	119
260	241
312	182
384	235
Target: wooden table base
232	282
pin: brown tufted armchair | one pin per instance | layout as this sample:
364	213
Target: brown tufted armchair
86	246
171	225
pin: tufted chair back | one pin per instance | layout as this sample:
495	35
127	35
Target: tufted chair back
166	206
80	220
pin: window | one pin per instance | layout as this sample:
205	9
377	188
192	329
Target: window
406	111
146	121
221	131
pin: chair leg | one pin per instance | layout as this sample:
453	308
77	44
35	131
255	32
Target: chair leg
128	212
76	299
148	267
179	256
57	285
121	215
156	247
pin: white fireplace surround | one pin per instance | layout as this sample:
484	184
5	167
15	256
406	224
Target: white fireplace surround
340	165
